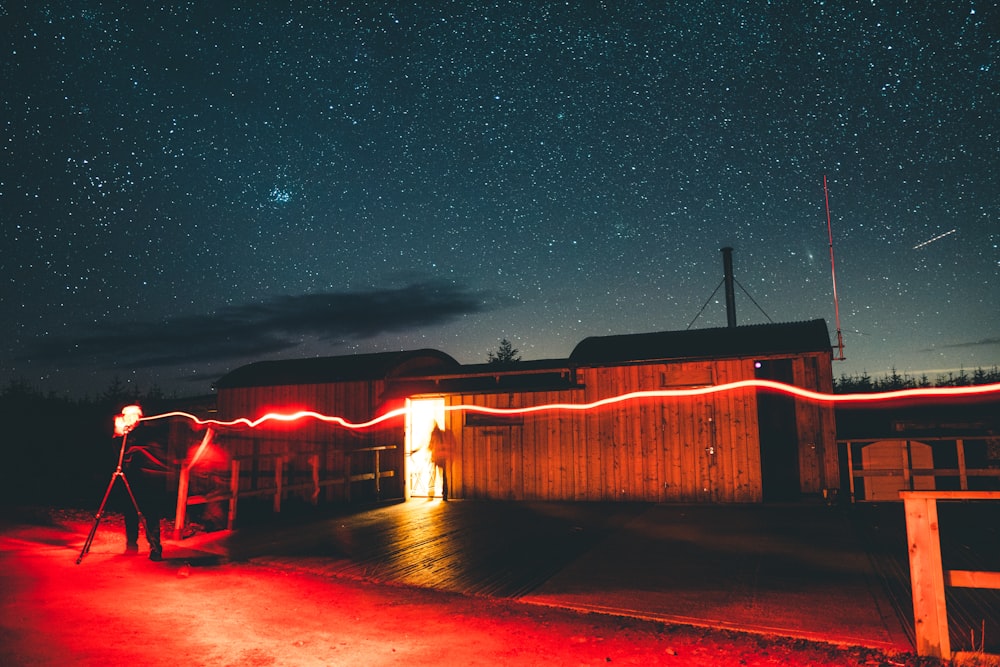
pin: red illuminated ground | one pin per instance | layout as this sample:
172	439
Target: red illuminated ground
114	610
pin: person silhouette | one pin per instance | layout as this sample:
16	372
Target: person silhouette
440	447
145	468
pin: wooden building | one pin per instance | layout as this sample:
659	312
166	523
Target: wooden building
746	445
739	446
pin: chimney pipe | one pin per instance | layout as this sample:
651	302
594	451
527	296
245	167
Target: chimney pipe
727	265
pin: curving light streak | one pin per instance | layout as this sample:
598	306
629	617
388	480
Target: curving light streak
283	417
819	397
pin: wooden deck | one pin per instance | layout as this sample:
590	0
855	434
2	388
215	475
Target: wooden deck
489	549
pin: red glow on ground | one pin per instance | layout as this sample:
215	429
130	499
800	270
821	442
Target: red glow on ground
120	610
770	385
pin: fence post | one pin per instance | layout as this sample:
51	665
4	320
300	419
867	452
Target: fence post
234	492
182	497
927	577
279	478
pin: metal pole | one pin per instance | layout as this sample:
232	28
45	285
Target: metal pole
727	265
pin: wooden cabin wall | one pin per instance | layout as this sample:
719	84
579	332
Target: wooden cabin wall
819	466
259	448
675	449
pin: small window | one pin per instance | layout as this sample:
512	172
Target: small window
687	376
475	419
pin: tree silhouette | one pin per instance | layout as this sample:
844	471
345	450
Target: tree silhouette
505	355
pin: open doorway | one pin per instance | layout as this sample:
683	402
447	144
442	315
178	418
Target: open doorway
421	416
779	434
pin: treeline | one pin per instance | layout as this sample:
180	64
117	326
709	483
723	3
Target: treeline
894	381
59	450
117	392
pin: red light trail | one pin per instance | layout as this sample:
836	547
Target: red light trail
815	396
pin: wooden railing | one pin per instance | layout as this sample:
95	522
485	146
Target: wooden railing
280	489
927	574
907	473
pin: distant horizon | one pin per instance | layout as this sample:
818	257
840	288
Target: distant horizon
175	391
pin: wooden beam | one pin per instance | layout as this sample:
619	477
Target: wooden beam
972	579
951	495
926	577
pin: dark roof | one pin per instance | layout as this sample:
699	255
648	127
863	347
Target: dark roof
759	339
354	367
534	375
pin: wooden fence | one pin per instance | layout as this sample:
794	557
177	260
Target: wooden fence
912	477
279	489
927	575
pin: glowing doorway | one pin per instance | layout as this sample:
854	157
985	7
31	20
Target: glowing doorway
421	416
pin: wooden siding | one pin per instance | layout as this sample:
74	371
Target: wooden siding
819	466
701	449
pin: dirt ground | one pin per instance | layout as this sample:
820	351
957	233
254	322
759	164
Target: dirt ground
113	609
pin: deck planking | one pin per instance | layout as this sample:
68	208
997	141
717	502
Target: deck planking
473	548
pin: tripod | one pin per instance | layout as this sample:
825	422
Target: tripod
115	476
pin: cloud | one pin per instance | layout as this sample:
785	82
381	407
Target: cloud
275	325
977	343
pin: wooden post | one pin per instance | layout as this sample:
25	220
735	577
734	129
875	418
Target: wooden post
963	473
314	464
184	483
347	476
907	466
378	477
278	479
927	577
182	498
234	491
850	469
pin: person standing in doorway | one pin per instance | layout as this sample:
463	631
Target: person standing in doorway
440	446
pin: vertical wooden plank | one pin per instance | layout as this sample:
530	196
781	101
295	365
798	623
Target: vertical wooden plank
550	483
515	454
672	428
850	469
692	460
567	453
927	577
182	498
807	426
731	425
750	435
314	468
491	438
581	436
234	491
279	478
963	473
649	449
907	465
831	452
551	428
620	426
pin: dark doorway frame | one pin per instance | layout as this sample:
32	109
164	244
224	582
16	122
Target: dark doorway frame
778	434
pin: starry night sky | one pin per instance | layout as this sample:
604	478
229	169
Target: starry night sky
193	186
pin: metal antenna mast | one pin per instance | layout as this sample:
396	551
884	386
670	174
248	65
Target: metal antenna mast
833	273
